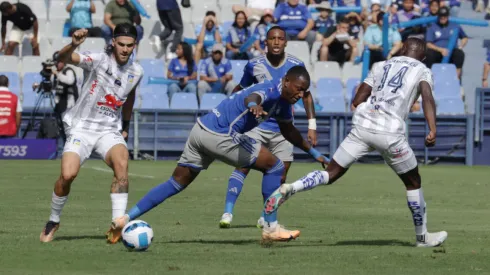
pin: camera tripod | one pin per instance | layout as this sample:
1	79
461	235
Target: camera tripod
42	97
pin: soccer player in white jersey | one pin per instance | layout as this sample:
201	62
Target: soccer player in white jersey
94	123
383	102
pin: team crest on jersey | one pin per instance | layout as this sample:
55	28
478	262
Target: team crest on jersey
130	78
76	141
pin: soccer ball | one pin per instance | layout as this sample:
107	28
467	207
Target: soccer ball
137	235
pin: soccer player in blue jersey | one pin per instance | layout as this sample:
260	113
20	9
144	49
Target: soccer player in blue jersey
271	66
220	135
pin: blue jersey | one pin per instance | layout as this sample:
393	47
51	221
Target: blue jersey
259	69
232	115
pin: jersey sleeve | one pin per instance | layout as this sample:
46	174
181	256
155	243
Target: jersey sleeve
89	61
285	111
247	78
370	77
427	77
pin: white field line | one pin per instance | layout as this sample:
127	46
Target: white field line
110	171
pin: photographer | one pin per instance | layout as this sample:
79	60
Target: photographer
66	90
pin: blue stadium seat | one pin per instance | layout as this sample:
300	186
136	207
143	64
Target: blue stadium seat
152	67
225	26
332	104
326	87
450	106
14	81
154	101
350	86
184	101
237	69
444	72
446	88
156	89
211	100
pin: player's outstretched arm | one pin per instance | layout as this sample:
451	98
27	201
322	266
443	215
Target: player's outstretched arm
310	113
429	106
68	54
292	135
362	94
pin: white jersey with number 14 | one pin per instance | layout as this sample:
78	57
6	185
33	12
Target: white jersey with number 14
395	85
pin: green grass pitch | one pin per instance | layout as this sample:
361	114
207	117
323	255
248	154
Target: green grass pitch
360	225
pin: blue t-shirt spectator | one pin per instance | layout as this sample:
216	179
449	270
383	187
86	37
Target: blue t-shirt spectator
211	69
178	70
80	15
322	24
292	19
237	36
346	3
439	35
209	38
261	32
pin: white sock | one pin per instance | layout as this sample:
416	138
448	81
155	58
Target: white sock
310	181
271	226
119	204
417	206
57	204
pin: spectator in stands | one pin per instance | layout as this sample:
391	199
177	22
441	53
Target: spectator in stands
345	3
208	36
296	20
238	34
400	6
323	22
10	110
437	37
117	12
406	14
260	31
355	25
432	9
81	17
171	18
184	69
373	38
255	8
371	16
24	24
338	44
383	5
216	74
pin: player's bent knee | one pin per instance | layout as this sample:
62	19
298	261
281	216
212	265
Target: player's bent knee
68	176
120	166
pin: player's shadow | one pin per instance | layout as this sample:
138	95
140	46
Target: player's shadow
374	243
83	237
201	241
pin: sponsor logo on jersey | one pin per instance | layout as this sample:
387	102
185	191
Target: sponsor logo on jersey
130	78
108	71
117	82
88	60
111	102
94	85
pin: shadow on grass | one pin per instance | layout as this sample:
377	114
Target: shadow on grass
320	243
83	237
201	241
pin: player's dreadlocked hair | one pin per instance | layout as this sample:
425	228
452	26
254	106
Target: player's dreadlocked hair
298	71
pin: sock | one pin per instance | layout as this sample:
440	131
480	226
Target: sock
310	181
417	206
270	182
57	204
154	197
119	204
235	185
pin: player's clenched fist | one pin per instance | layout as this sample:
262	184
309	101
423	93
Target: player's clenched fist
430	140
79	36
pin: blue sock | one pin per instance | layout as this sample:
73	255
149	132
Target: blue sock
270	182
235	185
154	197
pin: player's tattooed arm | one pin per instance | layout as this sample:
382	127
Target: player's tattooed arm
429	106
120	185
362	94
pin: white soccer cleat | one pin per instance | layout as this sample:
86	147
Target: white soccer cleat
260	223
226	220
431	239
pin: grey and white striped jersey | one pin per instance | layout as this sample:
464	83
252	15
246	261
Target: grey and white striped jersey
104	91
395	85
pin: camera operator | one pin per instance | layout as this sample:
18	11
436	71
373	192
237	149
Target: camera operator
66	89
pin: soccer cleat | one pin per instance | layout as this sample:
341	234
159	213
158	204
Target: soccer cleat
260	223
226	220
279	234
278	197
431	239
114	233
47	234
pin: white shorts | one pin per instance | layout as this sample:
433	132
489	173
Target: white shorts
84	143
394	149
17	35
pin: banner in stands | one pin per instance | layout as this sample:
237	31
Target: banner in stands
28	148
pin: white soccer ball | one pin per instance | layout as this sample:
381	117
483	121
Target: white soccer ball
137	235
